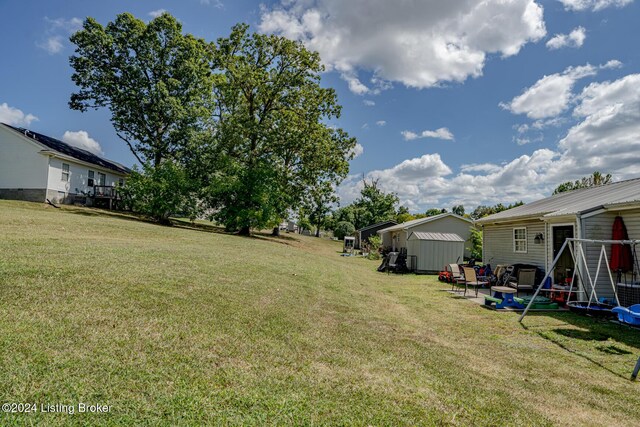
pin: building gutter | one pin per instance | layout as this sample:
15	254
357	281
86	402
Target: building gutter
622	206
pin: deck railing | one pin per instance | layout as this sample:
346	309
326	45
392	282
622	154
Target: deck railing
105	191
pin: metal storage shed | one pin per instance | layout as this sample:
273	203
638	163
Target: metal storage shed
433	251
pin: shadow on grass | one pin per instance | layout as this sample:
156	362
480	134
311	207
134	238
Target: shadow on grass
588	329
97	212
180	223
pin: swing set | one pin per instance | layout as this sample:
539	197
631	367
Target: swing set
587	284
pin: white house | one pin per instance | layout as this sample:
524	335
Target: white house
534	233
35	167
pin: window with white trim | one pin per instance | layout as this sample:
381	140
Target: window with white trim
65	172
91	178
102	179
520	240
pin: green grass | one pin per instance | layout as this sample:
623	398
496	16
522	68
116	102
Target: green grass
182	326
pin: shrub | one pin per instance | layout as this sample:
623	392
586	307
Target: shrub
343	228
476	243
374	246
160	192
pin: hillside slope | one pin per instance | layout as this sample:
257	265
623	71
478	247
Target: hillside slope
181	326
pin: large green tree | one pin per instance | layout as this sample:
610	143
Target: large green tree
592	180
272	139
374	205
482	210
317	204
155	81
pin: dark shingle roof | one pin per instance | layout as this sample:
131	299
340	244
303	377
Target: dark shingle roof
378	224
66	149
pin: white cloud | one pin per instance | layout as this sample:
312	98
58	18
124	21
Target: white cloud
552	94
606	137
614	63
574	39
441	133
381	123
216	3
420	44
57	30
156	13
355	85
14	116
480	167
52	45
69	26
358	150
81	139
368	103
595	5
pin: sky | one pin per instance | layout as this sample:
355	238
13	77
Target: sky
452	102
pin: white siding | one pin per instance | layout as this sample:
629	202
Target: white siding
600	227
78	175
498	244
21	164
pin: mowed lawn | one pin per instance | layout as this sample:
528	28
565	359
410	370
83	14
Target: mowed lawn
176	326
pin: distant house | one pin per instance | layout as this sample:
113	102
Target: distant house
362	235
396	236
35	167
534	233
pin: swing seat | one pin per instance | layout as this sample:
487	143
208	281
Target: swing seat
629	315
595	309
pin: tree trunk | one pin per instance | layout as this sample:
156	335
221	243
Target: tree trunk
276	231
245	231
318	230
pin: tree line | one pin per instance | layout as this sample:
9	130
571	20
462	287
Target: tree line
238	129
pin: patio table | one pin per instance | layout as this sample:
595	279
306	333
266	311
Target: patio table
505	293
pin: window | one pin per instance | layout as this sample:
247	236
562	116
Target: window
121	182
102	179
90	178
520	240
65	172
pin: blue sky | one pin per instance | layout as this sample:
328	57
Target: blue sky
451	102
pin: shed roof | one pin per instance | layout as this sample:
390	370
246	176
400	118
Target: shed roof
68	150
410	224
574	202
440	237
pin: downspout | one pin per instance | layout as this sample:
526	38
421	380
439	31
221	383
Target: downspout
483	253
579	233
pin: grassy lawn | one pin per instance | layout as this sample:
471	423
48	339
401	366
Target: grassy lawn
178	326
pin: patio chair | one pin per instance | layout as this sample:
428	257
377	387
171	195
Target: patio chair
526	280
470	279
456	275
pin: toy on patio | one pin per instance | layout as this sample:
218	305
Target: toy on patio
630	316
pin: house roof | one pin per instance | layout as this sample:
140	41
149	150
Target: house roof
440	237
573	202
378	224
410	224
68	150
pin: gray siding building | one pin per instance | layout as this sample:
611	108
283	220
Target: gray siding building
534	233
